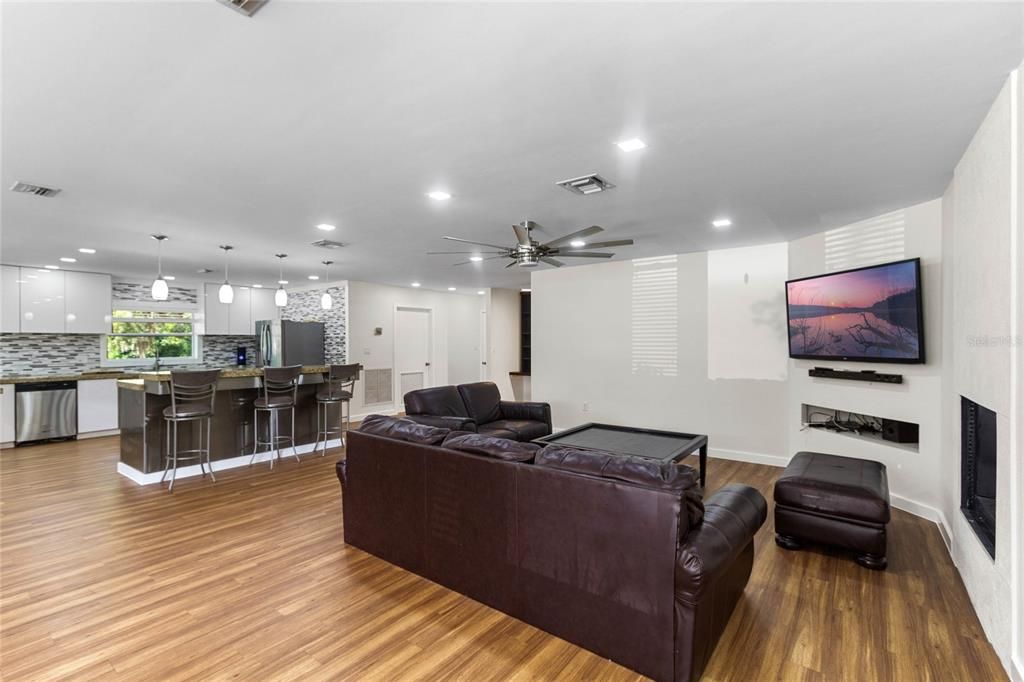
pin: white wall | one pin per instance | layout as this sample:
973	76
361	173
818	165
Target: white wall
915	479
1017	397
592	364
503	338
455	336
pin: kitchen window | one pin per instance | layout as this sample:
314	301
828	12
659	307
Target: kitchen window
143	335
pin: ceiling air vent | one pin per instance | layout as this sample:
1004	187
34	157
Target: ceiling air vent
246	7
586	184
38	190
328	244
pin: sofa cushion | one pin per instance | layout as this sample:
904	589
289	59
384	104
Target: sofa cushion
646	472
496	432
524	429
845	487
440	401
489	446
482	400
403	429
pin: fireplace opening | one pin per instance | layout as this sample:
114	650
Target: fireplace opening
978	470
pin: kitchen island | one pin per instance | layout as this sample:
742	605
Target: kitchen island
141	402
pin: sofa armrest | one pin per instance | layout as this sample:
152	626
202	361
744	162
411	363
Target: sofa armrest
731	518
453	423
538	412
341	469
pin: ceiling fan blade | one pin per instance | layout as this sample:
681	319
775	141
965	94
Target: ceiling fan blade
581	254
470	241
578	234
512	264
608	245
552	261
438	253
522	235
466	262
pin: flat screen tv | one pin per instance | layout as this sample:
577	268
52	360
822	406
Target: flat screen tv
870	314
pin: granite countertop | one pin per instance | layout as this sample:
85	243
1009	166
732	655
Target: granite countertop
137	381
94	375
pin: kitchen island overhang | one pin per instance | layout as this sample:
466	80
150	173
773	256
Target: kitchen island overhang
141	402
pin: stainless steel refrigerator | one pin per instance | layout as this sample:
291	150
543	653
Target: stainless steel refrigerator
280	343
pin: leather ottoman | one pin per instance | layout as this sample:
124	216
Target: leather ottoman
833	500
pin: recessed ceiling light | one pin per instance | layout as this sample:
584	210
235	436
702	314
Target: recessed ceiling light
526	290
282	281
481	292
23	281
257	286
325	227
52	267
721	222
45	272
631	145
451	288
169	278
32	276
577	243
87	251
313	277
415	284
68	260
438	195
476	259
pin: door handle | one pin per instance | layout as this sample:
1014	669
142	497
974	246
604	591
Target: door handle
426	364
483	363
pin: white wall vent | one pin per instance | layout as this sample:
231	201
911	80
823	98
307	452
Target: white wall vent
586	184
246	7
377	386
38	190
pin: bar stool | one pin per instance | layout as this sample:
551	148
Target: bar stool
280	391
192	400
341	381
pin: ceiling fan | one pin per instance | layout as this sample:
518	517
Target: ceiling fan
528	252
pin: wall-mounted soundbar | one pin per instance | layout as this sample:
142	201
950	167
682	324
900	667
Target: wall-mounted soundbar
863	375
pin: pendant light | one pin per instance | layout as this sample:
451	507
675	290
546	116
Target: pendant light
325	301
159	288
226	293
280	296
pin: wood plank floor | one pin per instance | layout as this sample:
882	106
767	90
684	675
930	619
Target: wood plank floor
248	579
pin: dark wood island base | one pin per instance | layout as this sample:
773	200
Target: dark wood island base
141	403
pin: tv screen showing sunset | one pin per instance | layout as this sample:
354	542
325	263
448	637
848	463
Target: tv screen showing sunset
867	314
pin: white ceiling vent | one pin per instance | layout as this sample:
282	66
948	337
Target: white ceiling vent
586	184
38	190
328	244
246	7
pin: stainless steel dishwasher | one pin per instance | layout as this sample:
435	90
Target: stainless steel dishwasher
46	410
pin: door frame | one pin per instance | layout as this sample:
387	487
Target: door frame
428	376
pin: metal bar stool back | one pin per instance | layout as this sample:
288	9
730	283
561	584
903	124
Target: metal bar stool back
337	390
193	395
279	394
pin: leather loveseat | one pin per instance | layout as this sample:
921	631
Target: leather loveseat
478	407
618	555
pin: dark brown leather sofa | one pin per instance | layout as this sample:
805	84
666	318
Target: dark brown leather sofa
478	407
618	558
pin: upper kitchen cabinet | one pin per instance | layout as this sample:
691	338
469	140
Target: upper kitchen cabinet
218	317
263	307
240	314
42	301
86	303
10	299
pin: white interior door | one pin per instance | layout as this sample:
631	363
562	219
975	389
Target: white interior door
485	374
412	350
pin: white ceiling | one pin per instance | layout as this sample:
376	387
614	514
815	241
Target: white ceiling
190	119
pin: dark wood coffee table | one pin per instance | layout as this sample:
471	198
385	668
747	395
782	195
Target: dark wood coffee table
661	446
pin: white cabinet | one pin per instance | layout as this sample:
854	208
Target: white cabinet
97	405
42	301
86	303
10	299
7	413
240	315
217	313
263	307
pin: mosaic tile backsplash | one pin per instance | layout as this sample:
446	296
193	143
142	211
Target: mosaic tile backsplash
52	354
304	306
122	292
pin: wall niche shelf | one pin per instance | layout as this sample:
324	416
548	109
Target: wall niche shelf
859	426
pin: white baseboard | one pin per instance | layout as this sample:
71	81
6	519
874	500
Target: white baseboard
99	434
133	474
386	411
749	457
928	513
